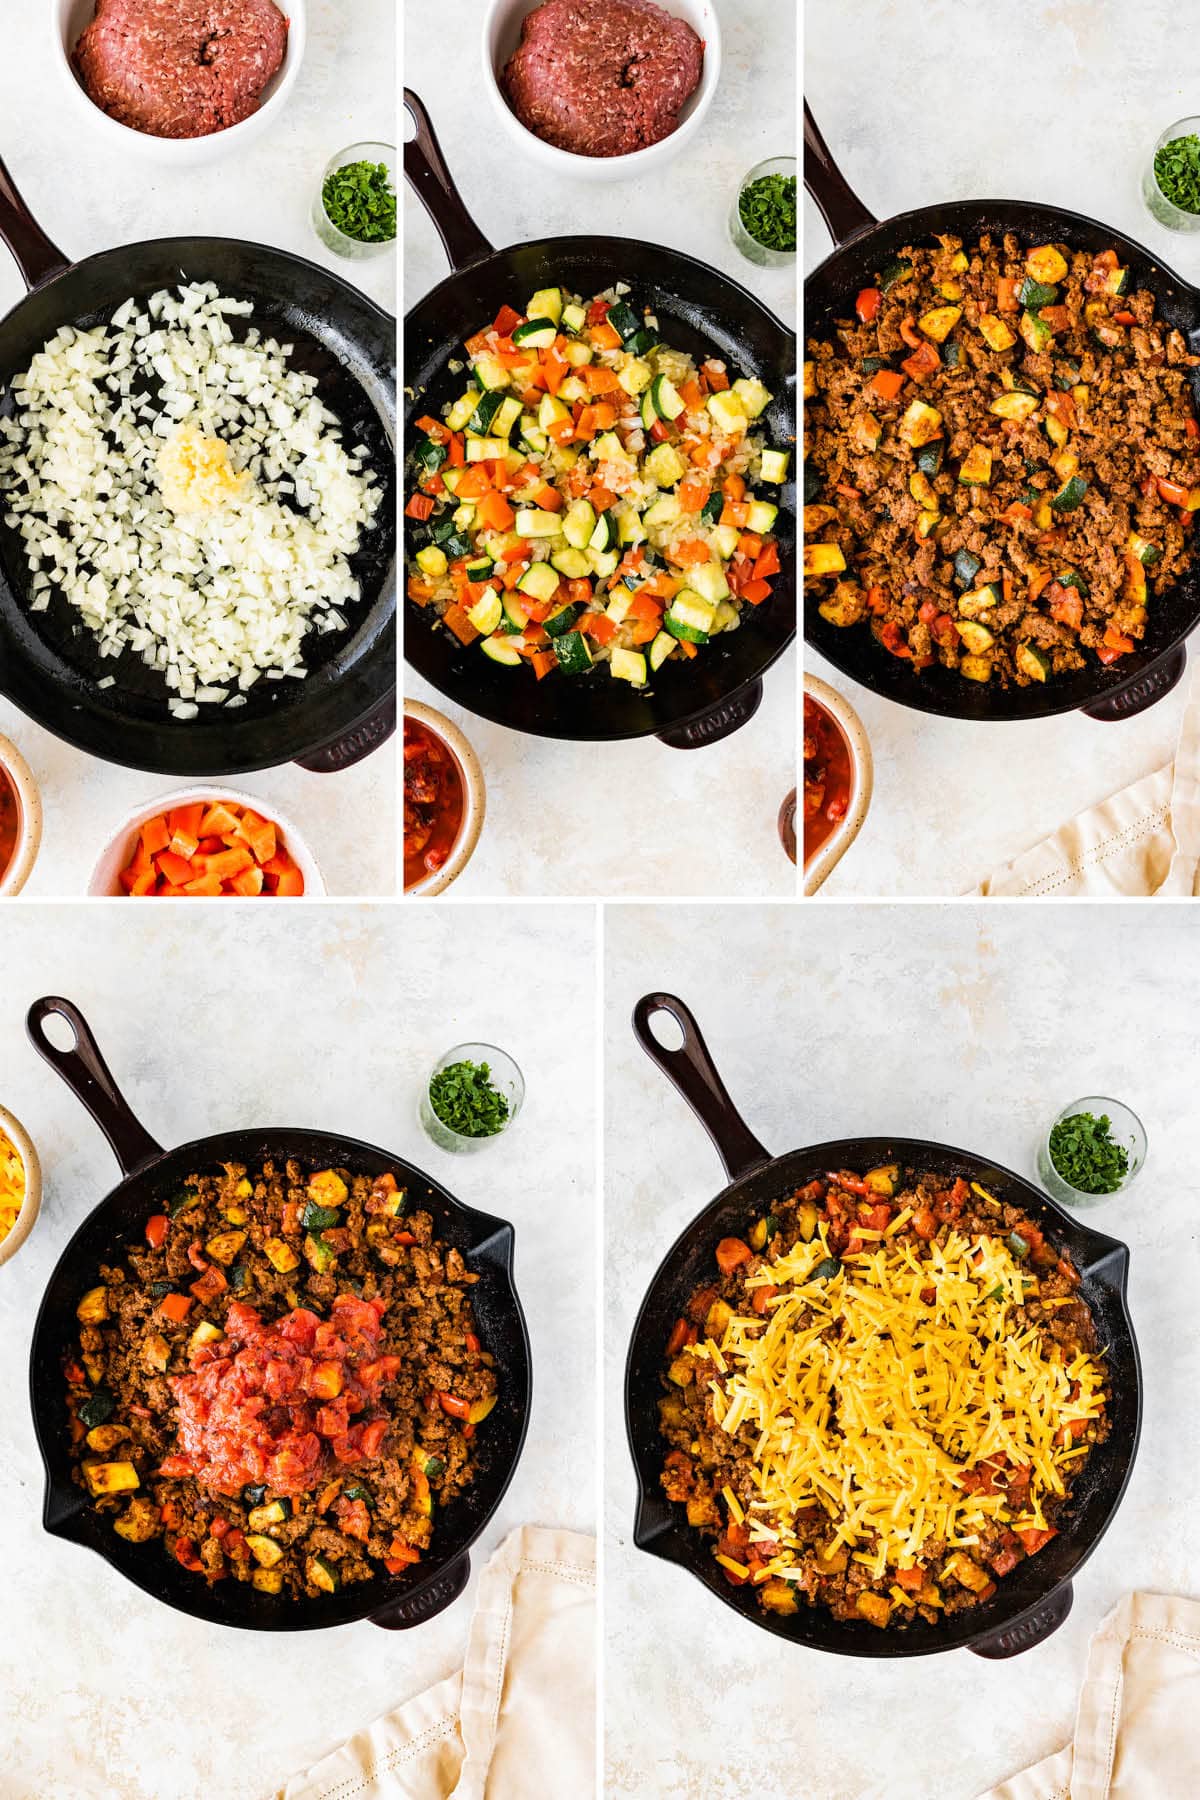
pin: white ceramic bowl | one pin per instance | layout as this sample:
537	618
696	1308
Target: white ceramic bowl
29	803
474	798
67	21
502	34
819	867
30	1205
106	876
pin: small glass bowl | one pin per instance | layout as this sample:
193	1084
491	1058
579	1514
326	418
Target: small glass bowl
330	234
504	1076
1124	1128
1162	209
750	247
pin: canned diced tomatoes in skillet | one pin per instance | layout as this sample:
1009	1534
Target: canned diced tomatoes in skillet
283	1384
880	1402
1002	468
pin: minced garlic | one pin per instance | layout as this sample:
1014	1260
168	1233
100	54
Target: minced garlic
195	473
12	1184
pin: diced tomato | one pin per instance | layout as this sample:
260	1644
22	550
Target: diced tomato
156	1230
867	304
420	507
731	1252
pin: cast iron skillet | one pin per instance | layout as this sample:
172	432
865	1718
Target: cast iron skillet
1027	1605
861	247
346	706
700	311
150	1172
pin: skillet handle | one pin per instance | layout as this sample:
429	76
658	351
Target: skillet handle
712	726
86	1073
694	1074
838	204
1028	1632
355	744
1153	686
36	257
426	1602
431	181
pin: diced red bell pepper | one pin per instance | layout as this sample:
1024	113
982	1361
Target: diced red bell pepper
867	304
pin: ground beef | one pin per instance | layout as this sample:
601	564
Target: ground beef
704	1463
366	1499
1106	398
602	77
180	68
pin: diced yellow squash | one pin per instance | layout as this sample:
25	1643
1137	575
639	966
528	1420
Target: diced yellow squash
995	332
244	1189
778	1596
868	432
975	469
106	1437
1043	516
969	1574
224	1246
940	322
874	1609
157	1351
481	1408
94	1367
267	1581
976	668
1046	264
717	1318
109	1478
959	262
1014	405
281	1256
265	1551
93	1308
235	1215
883	1179
976	637
833	1559
205	1333
920	424
922	491
328	1188
810	381
806	1218
682	1371
950	290
815	517
823	559
139	1522
845	606
1032	662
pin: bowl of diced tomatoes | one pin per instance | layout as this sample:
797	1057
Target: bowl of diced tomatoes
207	843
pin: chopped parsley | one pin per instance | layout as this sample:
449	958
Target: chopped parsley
1085	1155
463	1098
767	208
360	200
1177	171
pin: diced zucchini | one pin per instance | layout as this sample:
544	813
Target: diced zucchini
531	435
604	532
728	412
981	600
940	322
929	457
927	524
624	321
603	562
774	465
571	563
663	511
534	334
628	665
486	612
920	424
499	649
823	559
578	354
1046	264
540	581
619	602
665	466
690	616
205	1333
486	449
977	638
921	489
261	1518
281	1256
976	668
608	448
547	303
995	332
322	1256
1035	332
665	397
727	538
462	410
975	470
1035	294
1014	405
429	456
480	421
531	523
1056	431
661	649
1032	662
578	523
574	317
490	373
898	270
480	569
1147	554
572	652
755	398
868	432
728	617
562	620
629	526
708	580
265	1551
1070	494
506	416
761	517
321	1573
1116	281
551	412
267	1581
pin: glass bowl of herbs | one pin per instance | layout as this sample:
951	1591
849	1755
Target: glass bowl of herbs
1095	1147
354	208
762	219
1171	183
473	1095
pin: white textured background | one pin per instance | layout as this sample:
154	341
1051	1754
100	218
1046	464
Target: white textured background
967	1025
1065	99
88	197
675	822
330	1017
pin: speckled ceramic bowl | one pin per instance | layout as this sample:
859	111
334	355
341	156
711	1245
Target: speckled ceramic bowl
31	1204
106	876
474	798
821	865
29	809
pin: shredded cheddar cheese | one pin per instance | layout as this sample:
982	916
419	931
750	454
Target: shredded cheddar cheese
12	1184
870	1394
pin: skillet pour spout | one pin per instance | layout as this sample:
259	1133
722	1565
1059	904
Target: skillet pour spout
104	1235
1033	1601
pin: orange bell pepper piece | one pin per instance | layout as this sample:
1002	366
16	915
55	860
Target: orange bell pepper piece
600	380
605	337
457	621
155	835
768	563
693	492
755	592
601	498
542	661
175	1307
692	552
494	512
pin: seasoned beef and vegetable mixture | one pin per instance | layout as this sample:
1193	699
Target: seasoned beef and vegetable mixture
283	1381
880	1404
1001	460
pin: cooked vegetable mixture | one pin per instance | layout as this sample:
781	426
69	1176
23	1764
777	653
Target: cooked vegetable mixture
282	1382
1002	460
881	1402
591	495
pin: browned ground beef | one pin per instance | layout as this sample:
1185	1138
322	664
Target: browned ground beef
602	77
703	1460
1111	384
181	68
127	1362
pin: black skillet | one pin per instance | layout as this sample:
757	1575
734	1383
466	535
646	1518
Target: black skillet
700	311
150	1173
1027	1605
346	706
862	246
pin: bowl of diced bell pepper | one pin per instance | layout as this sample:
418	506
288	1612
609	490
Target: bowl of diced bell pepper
207	843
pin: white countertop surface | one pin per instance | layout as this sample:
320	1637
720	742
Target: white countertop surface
88	197
1011	1014
108	1693
669	823
1065	108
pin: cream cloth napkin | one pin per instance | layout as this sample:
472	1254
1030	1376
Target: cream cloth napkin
1137	1732
525	1699
1144	840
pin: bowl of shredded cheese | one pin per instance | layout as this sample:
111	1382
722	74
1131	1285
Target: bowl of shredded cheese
20	1184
